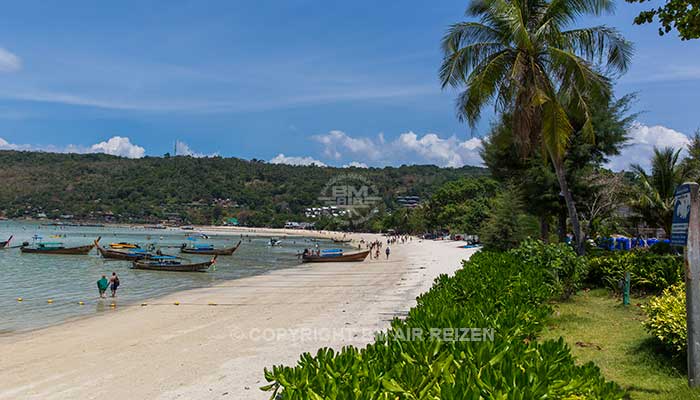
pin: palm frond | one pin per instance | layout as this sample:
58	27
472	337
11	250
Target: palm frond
556	129
600	44
482	86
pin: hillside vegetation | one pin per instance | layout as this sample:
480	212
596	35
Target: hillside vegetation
198	190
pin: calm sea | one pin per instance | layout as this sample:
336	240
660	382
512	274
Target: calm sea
68	279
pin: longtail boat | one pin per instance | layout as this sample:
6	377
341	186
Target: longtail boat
336	256
124	245
171	264
6	243
128	254
55	248
209	250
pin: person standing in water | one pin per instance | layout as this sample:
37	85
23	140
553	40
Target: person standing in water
114	283
387	252
102	285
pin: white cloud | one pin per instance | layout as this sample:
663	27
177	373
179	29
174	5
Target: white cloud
282	159
336	141
643	139
182	149
116	146
408	148
9	62
355	164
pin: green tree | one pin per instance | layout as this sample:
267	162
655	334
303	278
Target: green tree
507	224
684	15
521	57
653	198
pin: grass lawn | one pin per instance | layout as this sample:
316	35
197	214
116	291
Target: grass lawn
600	329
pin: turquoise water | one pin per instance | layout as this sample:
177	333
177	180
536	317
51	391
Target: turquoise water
69	279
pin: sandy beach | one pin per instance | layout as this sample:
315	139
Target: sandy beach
217	341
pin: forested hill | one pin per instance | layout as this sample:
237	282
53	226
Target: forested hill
198	190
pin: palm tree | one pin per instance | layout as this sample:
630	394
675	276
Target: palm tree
654	193
520	57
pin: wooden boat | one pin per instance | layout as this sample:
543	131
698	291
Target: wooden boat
124	245
129	255
210	250
335	257
55	248
170	264
6	243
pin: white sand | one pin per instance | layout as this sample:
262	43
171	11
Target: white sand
199	351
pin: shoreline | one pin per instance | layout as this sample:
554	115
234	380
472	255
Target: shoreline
195	350
210	230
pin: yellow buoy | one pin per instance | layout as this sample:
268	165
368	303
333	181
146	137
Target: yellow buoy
19	299
143	304
80	303
49	301
211	303
177	303
113	305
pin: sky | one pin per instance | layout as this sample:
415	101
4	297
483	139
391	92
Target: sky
294	81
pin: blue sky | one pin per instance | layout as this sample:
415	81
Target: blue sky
291	81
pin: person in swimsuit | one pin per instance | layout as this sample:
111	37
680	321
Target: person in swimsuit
114	283
102	285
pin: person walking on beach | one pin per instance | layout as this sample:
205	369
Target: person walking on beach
387	252
102	285
114	282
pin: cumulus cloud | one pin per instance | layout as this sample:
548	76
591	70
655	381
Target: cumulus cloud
643	139
116	146
282	159
334	142
409	148
9	62
183	149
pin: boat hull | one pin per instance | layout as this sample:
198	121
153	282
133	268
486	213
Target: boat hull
153	266
122	255
81	250
353	257
211	252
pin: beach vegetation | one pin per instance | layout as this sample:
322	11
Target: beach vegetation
511	295
649	272
666	319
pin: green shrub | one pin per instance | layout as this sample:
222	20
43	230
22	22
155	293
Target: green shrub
666	318
649	272
566	269
492	290
662	248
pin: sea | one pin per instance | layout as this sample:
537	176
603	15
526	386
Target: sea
68	280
